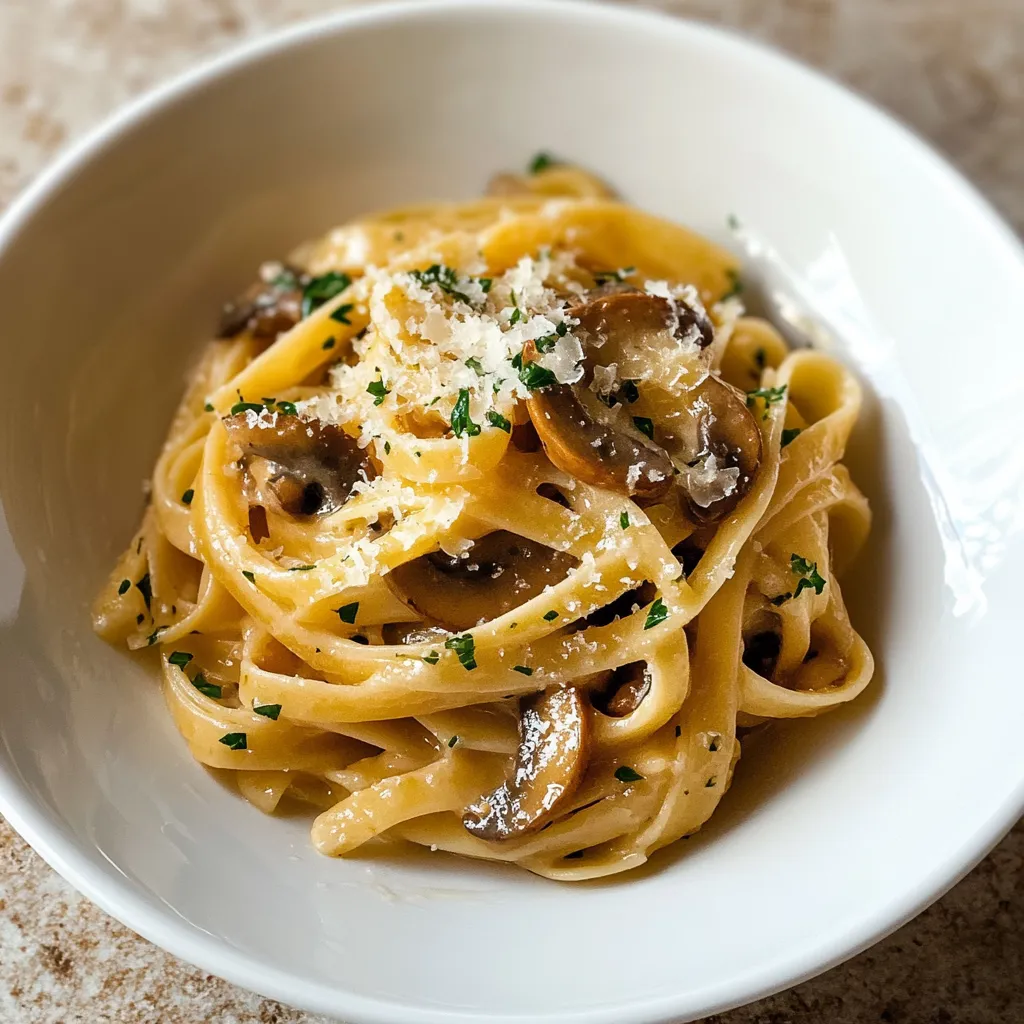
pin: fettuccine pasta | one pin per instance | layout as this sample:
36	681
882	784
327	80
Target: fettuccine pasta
492	526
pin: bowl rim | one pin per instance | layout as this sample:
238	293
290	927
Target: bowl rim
118	896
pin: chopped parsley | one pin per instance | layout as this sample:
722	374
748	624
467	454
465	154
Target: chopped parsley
247	407
329	343
322	289
604	276
234	741
347	612
180	658
710	784
378	390
453	741
523	670
387	447
626	774
145	589
535	376
485	284
288	408
447	280
645	425
152	638
249	575
300	568
268	404
208	407
548	342
474	364
624	520
769	395
340	315
497	420
462	422
125	586
808	573
541	162
270	711
432	658
187	497
790	434
465	648
628	391
550	616
657	613
206	688
735	285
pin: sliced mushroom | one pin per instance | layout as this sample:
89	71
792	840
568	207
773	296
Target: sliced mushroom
308	467
624	690
594	452
719	441
554	739
618	310
500	572
269	307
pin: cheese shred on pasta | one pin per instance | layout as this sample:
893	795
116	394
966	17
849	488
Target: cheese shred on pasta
488	526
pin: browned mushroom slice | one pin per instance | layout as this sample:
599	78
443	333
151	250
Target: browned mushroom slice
615	310
308	466
554	739
268	307
591	451
720	443
500	572
624	690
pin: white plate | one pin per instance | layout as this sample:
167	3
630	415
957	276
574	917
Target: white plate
112	267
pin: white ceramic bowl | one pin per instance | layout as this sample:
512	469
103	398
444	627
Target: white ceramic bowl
112	267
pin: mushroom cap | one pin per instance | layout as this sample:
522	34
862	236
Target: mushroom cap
266	308
554	742
500	572
308	467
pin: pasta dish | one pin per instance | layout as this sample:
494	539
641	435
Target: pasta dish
493	527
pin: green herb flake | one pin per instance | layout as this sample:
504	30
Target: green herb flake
790	434
154	636
768	395
347	612
378	390
208	689
605	276
462	422
522	670
239	407
535	376
497	420
288	408
270	711
735	285
644	425
301	568
453	741
322	289
465	649
387	447
474	364
125	586
249	575
626	774
657	613
234	741
550	616
485	284
710	784
432	658
628	391
624	520
187	497
541	162
340	315
208	407
180	658
329	343
808	573
145	589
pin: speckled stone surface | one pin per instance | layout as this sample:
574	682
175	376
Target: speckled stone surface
953	69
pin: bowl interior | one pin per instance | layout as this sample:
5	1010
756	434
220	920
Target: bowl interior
111	276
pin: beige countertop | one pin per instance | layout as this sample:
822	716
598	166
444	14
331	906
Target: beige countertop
953	69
